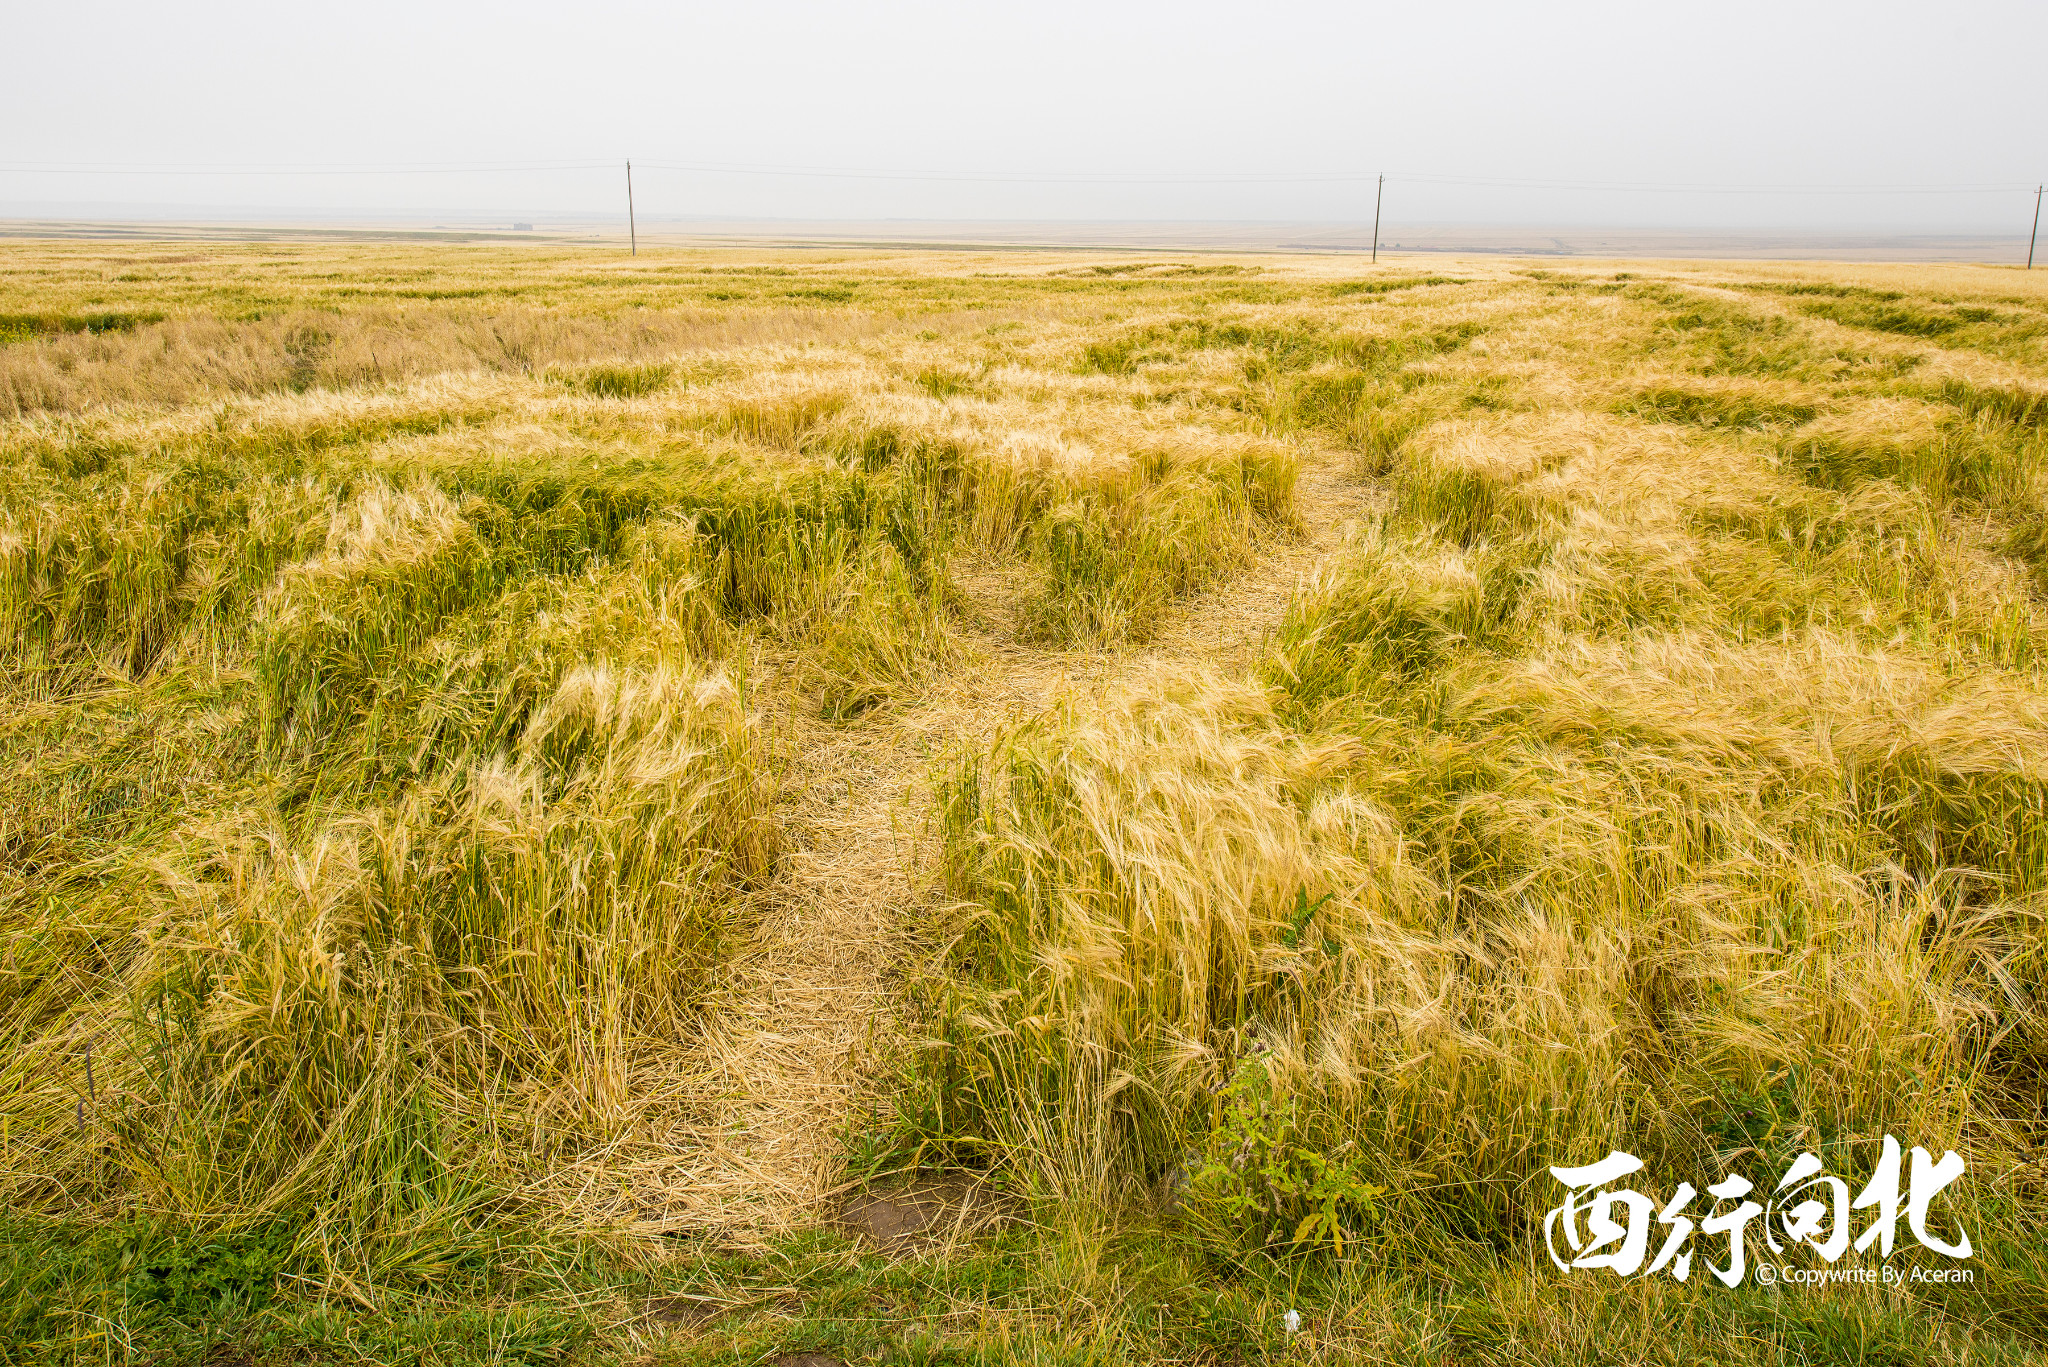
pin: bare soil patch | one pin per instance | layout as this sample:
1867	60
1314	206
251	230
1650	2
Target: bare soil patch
902	1217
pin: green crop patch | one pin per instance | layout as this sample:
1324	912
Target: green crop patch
2025	408
18	327
1393	286
622	381
1735	410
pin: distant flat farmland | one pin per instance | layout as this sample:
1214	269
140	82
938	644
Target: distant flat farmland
1406	242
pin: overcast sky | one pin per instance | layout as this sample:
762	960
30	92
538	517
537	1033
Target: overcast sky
1126	96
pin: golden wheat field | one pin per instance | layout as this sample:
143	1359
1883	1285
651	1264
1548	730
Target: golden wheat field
542	789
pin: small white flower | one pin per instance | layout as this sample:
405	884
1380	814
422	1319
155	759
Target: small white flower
1292	1319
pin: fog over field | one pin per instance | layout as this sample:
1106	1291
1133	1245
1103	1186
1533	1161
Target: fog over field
1890	119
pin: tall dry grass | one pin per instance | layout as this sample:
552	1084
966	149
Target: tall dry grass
398	691
1659	770
399	701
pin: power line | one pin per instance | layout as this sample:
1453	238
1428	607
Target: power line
1328	178
1680	188
1379	198
310	169
1097	178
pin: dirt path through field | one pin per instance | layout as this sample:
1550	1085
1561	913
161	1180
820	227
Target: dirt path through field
809	1006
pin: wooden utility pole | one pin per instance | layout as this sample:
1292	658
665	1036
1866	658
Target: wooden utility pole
632	229
2037	228
1376	199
